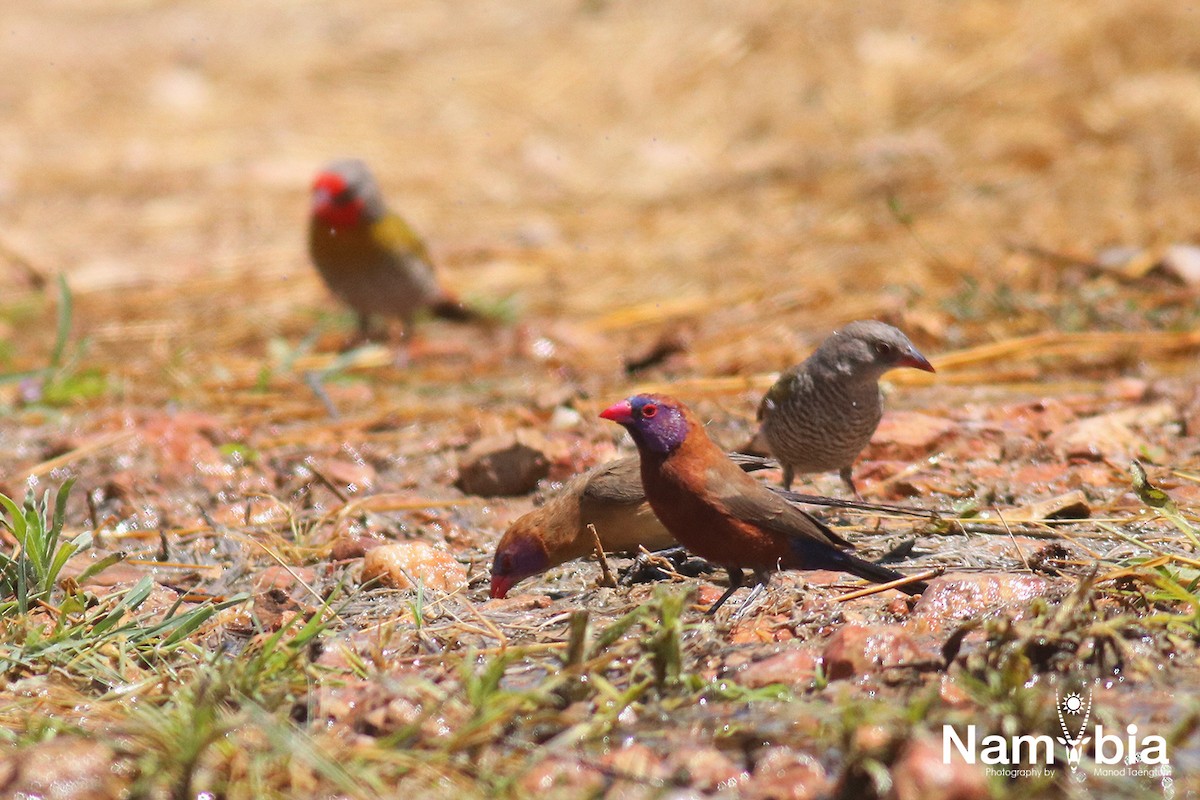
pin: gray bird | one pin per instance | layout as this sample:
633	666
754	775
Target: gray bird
820	414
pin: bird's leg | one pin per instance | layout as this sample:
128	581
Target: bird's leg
848	478
762	578
788	476
406	344
736	578
362	334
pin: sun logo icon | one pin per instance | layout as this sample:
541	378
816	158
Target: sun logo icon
1073	705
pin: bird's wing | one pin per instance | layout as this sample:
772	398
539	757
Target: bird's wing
396	235
618	481
752	502
776	394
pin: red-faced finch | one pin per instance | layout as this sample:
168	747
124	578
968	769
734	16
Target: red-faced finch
719	512
610	498
368	256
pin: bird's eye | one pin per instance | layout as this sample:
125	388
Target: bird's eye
649	410
883	348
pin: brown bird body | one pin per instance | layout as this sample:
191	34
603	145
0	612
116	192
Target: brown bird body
722	514
821	413
369	257
609	497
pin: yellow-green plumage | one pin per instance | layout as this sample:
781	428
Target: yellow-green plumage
369	257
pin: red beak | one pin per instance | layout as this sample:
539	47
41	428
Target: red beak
621	412
500	586
916	361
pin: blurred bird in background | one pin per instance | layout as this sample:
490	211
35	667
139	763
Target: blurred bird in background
368	256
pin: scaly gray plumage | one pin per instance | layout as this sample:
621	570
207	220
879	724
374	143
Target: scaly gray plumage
820	414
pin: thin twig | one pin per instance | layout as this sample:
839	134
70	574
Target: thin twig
876	588
606	575
1012	538
87	449
328	484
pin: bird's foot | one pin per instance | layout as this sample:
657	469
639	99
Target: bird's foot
657	566
736	580
752	601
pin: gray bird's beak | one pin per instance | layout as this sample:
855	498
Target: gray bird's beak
915	360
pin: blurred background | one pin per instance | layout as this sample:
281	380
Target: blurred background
756	172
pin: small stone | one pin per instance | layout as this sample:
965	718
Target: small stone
348	546
351	476
792	667
184	443
871	738
503	466
952	693
1183	262
519	602
635	761
920	773
709	593
565	778
857	650
1040	475
908	435
900	605
959	596
704	768
565	418
1111	436
63	768
761	629
781	773
1072	505
274	609
293	581
397	566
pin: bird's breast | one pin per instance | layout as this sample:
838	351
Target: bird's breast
681	503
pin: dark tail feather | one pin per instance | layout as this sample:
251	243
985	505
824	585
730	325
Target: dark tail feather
848	562
750	462
857	505
453	309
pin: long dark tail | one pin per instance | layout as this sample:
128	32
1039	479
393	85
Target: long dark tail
750	462
848	562
857	505
810	552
